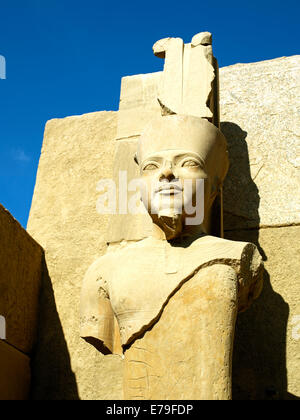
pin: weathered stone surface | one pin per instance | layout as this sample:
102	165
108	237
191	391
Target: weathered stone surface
260	109
77	153
139	285
267	344
168	132
267	356
171	85
262	131
15	373
189	78
138	103
20	278
126	226
158	269
187	354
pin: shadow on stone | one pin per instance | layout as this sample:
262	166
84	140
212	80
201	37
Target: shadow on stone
259	360
241	196
51	356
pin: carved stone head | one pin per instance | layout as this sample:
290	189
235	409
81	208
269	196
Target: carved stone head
178	155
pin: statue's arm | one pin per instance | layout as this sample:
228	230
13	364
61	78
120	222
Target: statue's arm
97	322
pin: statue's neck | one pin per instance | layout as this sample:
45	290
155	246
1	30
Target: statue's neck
165	232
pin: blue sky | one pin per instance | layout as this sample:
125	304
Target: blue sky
67	57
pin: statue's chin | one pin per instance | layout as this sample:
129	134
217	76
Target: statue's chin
171	224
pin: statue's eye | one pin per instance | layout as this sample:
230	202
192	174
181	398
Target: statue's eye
190	164
150	167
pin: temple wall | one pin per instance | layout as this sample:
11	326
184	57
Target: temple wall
260	119
77	153
21	267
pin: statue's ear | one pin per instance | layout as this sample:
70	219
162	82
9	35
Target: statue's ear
136	159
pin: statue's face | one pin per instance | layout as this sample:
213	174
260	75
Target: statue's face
183	161
172	182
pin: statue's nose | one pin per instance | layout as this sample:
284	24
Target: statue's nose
167	172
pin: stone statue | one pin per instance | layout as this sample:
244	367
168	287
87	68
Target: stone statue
169	303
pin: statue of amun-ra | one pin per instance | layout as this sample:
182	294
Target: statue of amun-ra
169	303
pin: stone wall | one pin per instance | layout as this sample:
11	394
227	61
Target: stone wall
21	266
77	153
260	109
260	119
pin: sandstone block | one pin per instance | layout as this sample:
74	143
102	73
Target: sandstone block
138	103
15	374
127	226
260	118
20	278
267	345
77	153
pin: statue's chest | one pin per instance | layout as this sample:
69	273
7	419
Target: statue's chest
140	281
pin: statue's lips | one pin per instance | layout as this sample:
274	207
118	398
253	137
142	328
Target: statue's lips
170	189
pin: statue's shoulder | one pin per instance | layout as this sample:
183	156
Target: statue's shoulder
225	248
244	257
114	252
215	240
116	255
98	264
